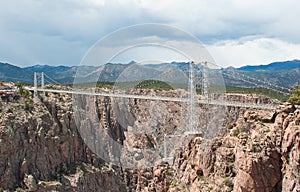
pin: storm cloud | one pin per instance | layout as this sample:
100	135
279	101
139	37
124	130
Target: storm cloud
235	32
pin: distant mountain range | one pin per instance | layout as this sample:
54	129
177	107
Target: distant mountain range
13	73
283	74
277	66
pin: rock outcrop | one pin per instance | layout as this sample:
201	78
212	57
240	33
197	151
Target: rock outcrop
42	150
260	152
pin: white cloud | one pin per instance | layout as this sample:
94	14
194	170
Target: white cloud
72	26
252	51
230	18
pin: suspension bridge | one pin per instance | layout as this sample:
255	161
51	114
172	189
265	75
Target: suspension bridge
190	100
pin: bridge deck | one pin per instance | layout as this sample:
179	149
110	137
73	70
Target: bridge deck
160	98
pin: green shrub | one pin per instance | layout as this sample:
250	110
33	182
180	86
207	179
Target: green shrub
26	93
28	106
295	97
20	86
236	132
19	189
228	182
230	126
58	177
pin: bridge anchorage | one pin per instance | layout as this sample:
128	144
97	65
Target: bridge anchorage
200	79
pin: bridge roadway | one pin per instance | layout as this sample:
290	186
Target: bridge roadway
159	98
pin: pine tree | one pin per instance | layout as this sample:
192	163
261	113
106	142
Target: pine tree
20	86
295	97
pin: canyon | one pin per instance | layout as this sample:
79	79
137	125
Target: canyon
42	149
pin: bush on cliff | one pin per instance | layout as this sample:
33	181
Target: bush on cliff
295	97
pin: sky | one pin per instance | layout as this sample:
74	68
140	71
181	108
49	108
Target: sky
235	32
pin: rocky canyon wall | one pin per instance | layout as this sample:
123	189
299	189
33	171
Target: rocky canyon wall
41	149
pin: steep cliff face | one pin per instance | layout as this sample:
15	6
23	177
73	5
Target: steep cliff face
42	150
260	152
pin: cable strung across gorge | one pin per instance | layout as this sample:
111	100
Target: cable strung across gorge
51	80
